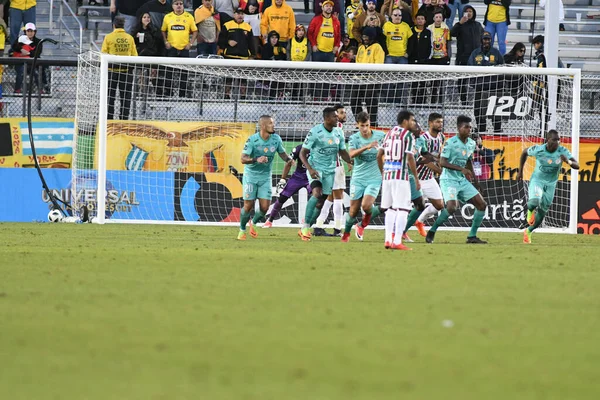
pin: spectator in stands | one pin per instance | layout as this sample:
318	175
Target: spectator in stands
20	13
419	52
157	10
352	12
176	30
4	17
25	47
468	37
278	17
440	39
516	55
148	39
429	7
455	6
119	43
299	47
338	8
128	10
360	22
273	50
485	86
324	34
252	13
208	23
370	52
344	53
225	9
497	20
483	160
397	33
235	42
389	7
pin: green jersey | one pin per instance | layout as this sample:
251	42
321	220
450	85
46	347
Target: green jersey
420	147
365	164
547	165
256	147
457	153
324	147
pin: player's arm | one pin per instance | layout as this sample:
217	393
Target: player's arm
248	159
289	162
434	167
522	162
571	161
380	156
357	152
304	158
444	163
346	157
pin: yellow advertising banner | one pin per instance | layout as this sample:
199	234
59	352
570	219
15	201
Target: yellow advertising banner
53	142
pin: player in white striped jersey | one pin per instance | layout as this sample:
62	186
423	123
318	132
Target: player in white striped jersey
430	142
336	198
396	158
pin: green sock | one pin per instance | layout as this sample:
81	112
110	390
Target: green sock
531	206
349	222
477	219
375	211
443	217
257	217
412	218
244	217
539	217
310	211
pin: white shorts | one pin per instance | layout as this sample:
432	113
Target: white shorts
339	182
431	189
396	194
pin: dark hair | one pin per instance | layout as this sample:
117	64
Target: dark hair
438	10
140	25
433	116
362	117
552	132
328	111
512	54
119	22
538	39
404	115
338	106
462	119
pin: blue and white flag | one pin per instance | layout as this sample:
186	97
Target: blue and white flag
136	159
49	138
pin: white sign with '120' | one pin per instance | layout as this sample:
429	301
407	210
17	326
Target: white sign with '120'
506	105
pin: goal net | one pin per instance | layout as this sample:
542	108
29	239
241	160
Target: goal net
159	140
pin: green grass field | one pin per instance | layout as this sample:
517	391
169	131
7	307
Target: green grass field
172	312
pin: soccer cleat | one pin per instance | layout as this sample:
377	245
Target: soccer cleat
337	232
388	245
400	246
527	236
430	236
346	237
241	235
304	234
475	240
421	228
253	232
406	238
358	231
267	224
530	217
321	232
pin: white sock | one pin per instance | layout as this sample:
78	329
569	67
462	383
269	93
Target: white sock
401	217
324	214
338	213
390	220
427	212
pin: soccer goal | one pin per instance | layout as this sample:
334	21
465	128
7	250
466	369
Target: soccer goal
158	140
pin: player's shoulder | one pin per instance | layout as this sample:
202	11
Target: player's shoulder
378	134
354	136
276	137
564	150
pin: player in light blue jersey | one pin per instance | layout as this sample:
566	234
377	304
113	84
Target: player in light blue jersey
324	142
548	162
257	156
457	163
366	175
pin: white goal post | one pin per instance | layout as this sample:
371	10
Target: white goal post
158	140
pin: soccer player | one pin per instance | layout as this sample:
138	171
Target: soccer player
457	163
430	142
416	196
324	142
366	175
396	158
336	198
548	161
257	156
289	188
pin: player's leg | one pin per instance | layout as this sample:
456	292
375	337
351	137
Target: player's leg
431	190
472	195
541	211
415	213
390	214
264	201
338	208
291	188
450	190
536	192
250	195
402	205
275	210
370	210
352	213
319	230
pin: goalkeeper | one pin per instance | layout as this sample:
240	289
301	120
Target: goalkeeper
285	188
548	161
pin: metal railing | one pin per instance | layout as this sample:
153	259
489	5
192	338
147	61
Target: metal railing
63	23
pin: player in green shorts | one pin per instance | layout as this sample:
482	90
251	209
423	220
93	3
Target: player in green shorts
548	161
257	156
324	142
456	161
366	175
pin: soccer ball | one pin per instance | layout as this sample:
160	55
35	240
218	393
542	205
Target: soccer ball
55	216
